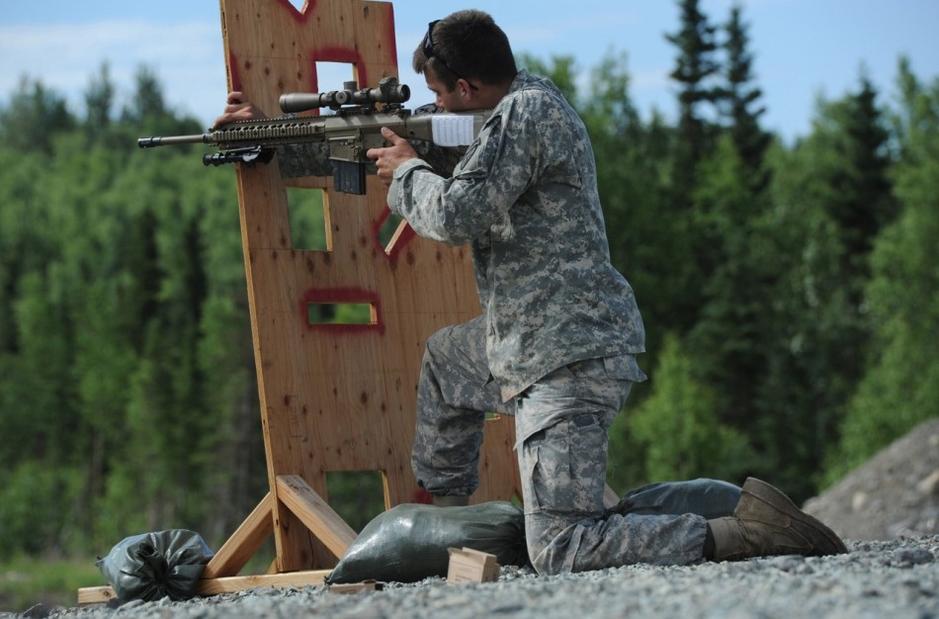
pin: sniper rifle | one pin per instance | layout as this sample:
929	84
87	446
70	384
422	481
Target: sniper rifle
353	128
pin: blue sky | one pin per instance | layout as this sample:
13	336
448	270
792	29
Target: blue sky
804	48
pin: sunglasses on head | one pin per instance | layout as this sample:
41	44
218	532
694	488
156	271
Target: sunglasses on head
427	46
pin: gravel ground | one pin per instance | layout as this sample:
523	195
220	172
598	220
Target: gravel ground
895	579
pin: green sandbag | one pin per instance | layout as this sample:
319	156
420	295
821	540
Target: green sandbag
409	542
151	566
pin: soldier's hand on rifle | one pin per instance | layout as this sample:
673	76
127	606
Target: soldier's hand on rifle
389	158
238	108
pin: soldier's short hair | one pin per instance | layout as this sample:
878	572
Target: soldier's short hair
469	45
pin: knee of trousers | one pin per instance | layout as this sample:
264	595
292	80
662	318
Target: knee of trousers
553	541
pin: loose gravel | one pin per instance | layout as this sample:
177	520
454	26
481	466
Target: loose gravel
896	579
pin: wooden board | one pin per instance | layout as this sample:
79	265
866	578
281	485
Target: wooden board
315	514
244	542
339	398
215	586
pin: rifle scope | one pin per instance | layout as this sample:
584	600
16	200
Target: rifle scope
388	91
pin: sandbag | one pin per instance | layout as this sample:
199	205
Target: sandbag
151	566
409	542
710	498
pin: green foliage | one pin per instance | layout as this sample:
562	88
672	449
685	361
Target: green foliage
696	66
736	99
33	117
99	100
26	491
798	283
901	385
26	581
127	376
679	428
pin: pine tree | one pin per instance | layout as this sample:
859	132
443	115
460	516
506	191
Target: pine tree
695	67
862	203
99	100
738	97
901	386
34	116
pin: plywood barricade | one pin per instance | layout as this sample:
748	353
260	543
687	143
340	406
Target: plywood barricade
335	397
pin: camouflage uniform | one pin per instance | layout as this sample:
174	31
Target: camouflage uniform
555	344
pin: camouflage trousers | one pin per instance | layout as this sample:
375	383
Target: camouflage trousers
561	424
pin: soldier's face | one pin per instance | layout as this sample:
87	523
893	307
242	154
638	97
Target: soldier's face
451	100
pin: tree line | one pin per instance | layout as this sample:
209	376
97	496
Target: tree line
789	291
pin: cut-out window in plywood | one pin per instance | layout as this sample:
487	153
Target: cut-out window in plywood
332	76
342	310
306	210
357	496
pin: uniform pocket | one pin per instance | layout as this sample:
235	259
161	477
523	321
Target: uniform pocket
565	467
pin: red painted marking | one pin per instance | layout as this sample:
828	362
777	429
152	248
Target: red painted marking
406	235
341	295
422	496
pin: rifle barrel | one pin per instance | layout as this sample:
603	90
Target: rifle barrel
150	142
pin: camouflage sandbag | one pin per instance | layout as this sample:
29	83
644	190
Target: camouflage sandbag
151	566
409	542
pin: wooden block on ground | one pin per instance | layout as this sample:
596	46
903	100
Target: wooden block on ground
95	595
356	587
468	565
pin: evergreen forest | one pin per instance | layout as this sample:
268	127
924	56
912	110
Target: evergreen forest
789	292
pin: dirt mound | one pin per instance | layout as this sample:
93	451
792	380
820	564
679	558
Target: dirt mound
894	494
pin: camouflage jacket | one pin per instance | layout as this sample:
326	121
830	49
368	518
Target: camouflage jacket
525	196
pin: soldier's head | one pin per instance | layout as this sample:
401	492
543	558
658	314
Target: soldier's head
465	59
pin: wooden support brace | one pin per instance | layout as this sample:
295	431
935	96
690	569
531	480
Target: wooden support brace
315	514
244	542
215	586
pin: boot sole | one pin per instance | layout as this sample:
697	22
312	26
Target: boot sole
772	496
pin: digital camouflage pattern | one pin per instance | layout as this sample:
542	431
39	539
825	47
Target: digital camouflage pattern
561	422
454	394
525	197
556	342
565	418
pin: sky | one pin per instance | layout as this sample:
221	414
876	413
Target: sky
804	49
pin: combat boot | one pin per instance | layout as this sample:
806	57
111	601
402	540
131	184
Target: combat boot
767	522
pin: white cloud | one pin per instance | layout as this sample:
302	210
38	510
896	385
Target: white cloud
187	57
